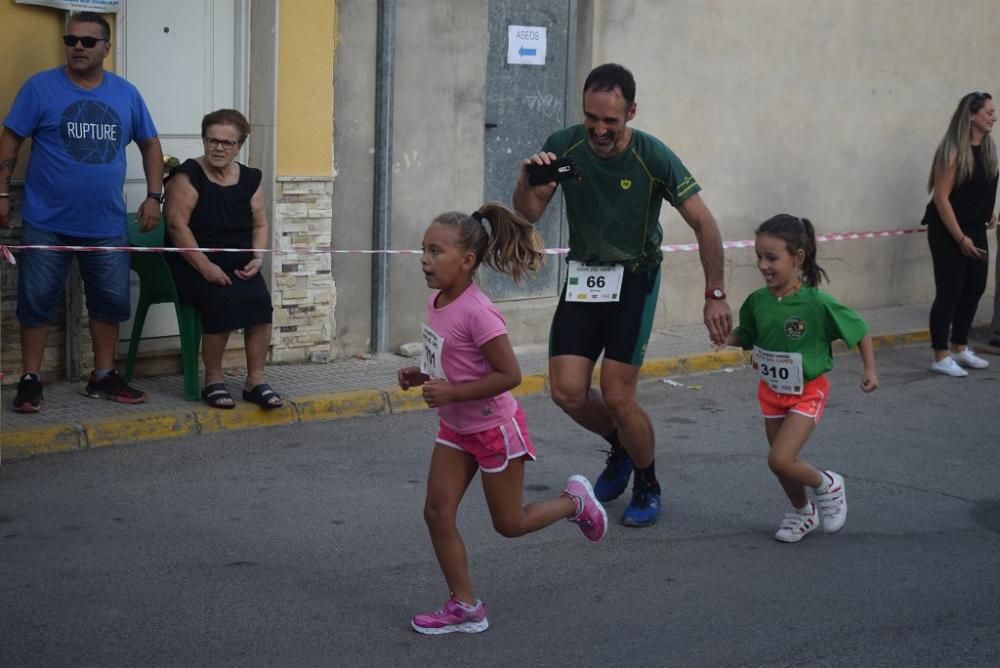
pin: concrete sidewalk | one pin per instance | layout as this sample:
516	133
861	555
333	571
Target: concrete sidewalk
340	389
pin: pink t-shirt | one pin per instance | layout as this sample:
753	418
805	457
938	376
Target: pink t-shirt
465	325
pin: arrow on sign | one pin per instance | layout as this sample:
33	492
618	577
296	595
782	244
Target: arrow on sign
526	52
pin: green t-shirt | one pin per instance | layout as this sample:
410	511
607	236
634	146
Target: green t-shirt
805	322
614	208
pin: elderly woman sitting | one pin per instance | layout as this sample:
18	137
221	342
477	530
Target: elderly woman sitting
213	201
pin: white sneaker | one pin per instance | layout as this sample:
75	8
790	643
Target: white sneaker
949	367
795	525
833	504
970	360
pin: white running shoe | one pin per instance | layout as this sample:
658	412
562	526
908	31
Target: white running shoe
949	367
833	504
970	360
795	525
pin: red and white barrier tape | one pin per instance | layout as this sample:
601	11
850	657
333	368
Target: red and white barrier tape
8	257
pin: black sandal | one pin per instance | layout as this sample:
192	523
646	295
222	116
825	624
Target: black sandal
263	396
216	394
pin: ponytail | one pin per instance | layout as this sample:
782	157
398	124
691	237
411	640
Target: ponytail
515	247
812	273
511	245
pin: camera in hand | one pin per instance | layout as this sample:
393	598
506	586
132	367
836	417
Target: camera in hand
559	170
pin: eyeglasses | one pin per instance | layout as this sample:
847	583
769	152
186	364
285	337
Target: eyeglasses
88	42
227	144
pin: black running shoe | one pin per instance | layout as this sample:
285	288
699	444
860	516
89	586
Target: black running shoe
29	394
113	387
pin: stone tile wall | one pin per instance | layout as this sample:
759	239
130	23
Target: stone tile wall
302	286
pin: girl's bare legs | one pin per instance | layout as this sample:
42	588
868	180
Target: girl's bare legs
787	436
504	495
450	474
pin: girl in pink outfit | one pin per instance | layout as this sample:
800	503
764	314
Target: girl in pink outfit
467	371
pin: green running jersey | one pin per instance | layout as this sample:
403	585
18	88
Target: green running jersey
613	210
805	322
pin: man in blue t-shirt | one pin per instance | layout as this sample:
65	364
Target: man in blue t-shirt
80	118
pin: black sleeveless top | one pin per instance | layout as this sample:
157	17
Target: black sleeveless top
222	217
972	200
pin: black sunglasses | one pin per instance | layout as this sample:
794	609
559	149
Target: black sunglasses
88	42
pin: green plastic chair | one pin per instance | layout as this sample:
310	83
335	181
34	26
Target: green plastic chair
156	286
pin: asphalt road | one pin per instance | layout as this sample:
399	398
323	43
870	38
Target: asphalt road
305	545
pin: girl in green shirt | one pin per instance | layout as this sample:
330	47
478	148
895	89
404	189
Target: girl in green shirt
790	325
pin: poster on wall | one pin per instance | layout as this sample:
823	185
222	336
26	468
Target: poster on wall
526	45
101	6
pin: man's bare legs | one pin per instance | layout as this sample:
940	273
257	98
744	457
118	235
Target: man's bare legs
615	414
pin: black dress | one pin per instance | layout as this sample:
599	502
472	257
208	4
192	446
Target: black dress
222	219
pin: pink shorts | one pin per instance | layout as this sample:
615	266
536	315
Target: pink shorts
494	447
810	403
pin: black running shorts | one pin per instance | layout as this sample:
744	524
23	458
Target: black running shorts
620	329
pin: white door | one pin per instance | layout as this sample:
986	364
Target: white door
187	58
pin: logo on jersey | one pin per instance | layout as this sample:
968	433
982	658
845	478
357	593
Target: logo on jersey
626	184
91	132
795	327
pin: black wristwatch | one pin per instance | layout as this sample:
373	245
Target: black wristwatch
157	196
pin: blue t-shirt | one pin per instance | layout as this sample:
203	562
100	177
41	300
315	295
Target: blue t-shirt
76	173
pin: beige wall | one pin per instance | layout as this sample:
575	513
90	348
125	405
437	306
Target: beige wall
829	109
437	137
354	137
302	285
306	29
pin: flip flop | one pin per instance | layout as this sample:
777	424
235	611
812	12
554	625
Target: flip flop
215	394
262	395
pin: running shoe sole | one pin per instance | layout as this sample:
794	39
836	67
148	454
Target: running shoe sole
464	627
116	398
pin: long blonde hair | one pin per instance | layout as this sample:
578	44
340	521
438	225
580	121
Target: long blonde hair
956	146
511	246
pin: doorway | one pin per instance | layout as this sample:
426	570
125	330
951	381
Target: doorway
187	58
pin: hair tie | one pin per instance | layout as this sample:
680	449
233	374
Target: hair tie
479	217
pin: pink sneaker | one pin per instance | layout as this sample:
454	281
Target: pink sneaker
454	616
590	513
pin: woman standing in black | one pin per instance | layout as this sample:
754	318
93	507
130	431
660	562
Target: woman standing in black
963	185
213	201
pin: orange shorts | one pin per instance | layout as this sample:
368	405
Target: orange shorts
810	403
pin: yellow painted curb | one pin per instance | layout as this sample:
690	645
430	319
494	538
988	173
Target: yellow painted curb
661	366
533	384
352	403
401	401
23	443
893	340
26	442
713	361
113	431
243	416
